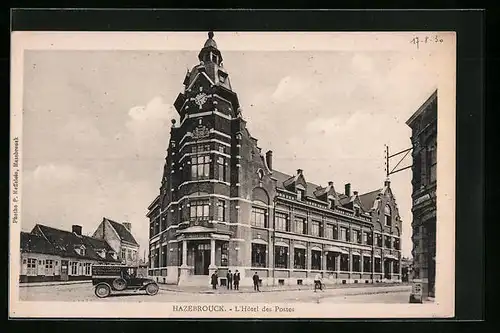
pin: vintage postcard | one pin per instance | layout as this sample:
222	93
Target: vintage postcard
232	174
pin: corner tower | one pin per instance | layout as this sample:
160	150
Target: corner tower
199	222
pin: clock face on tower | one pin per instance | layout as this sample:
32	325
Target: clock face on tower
200	99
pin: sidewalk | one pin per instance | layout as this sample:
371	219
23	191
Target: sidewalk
382	288
52	283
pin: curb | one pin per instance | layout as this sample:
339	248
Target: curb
397	289
24	285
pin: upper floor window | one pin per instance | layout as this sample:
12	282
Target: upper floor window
368	238
379	240
316	229
258	217
329	231
199	210
221	169
344	234
200	167
387	241
432	162
356	236
281	222
200	148
300	225
221	210
388	215
396	243
222	149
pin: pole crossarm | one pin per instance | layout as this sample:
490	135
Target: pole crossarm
388	158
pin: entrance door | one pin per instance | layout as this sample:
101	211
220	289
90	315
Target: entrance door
64	270
387	269
201	259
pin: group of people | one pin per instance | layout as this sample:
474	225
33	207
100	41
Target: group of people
233	280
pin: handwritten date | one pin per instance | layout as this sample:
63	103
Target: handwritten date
426	40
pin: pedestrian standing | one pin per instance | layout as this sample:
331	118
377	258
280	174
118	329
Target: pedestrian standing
236	280
317	282
229	277
256	281
214	280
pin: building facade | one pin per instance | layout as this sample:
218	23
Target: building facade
424	141
49	254
222	206
119	237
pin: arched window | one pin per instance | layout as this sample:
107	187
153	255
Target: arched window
388	215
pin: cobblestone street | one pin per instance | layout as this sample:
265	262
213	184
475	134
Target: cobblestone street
85	292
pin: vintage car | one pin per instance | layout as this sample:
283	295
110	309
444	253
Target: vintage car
118	278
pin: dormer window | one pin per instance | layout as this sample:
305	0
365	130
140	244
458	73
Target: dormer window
101	253
300	195
113	255
80	249
331	203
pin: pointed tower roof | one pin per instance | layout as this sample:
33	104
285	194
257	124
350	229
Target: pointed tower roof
210	41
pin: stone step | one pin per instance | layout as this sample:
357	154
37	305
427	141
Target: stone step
195	280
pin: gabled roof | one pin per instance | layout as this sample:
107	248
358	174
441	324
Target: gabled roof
368	199
122	232
313	190
36	244
65	242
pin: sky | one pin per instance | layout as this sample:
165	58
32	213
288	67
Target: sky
96	123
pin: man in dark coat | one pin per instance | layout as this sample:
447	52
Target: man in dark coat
229	277
214	280
236	280
256	282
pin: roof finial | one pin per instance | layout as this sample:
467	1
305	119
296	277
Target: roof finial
210	35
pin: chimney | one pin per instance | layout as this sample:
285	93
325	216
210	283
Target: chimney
269	159
299	171
387	182
347	190
76	229
128	226
355	193
330	183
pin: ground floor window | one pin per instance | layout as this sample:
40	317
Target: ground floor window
316	260
330	262
344	262
87	268
74	268
367	264
49	267
31	268
356	263
396	267
224	254
258	255
280	257
378	265
299	260
164	255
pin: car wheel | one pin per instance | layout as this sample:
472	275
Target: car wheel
152	289
102	290
119	284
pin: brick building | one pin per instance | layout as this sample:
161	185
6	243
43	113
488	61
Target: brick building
424	141
222	206
119	237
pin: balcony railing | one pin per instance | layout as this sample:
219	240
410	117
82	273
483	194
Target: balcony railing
201	222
